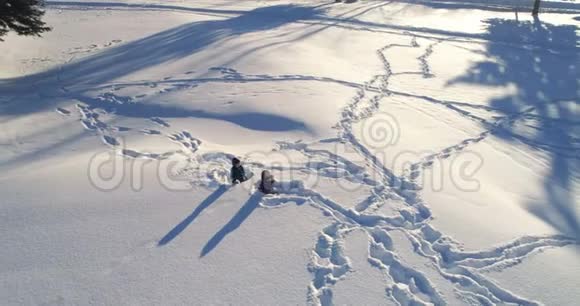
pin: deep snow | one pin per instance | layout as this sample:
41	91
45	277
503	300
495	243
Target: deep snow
426	153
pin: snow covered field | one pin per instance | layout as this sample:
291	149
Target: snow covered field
427	152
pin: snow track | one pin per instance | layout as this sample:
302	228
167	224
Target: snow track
404	284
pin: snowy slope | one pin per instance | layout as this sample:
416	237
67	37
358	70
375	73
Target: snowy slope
426	152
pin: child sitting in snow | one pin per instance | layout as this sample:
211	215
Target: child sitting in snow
238	173
267	183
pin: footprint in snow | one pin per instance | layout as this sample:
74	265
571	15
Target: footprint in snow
63	111
159	121
110	140
150	132
88	125
121	129
145	155
116	41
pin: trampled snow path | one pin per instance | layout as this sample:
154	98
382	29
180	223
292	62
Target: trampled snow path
403	283
329	264
459	268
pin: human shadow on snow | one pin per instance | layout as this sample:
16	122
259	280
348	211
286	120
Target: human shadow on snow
546	77
237	220
187	221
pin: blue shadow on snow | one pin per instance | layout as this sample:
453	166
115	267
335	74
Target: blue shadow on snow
244	212
170	45
546	75
250	120
187	221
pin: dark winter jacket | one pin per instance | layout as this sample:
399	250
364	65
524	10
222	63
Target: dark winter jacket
267	183
238	174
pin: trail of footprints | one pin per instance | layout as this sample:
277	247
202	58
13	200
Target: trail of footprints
447	152
423	61
404	285
92	48
91	120
328	263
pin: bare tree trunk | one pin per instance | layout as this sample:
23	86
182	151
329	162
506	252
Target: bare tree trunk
536	10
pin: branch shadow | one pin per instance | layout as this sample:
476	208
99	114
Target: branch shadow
41	91
166	46
237	220
187	221
120	5
496	5
545	102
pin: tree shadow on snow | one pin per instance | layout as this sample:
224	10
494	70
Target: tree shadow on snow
546	77
139	6
237	220
250	120
187	221
80	76
74	80
499	5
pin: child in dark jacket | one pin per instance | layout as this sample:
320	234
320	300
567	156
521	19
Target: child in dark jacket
238	173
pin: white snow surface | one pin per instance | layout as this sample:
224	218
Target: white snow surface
426	153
